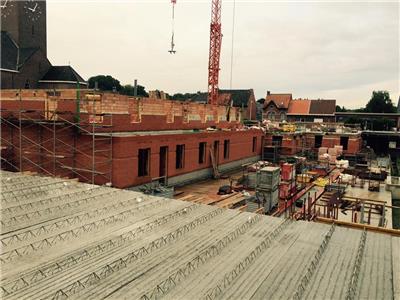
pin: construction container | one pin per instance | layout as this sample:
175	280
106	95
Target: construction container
251	180
269	199
287	172
268	178
286	189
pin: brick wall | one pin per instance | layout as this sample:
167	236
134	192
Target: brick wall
125	153
74	150
128	113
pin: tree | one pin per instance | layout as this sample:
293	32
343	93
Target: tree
109	83
261	100
182	97
129	90
380	103
104	83
340	109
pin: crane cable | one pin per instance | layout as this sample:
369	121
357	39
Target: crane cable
233	32
173	27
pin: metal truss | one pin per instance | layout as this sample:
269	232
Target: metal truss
313	265
21	196
31	189
82	255
352	289
120	263
23	207
73	233
231	276
22	182
51	210
184	271
73	220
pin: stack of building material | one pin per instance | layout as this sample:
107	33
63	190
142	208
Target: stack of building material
267	186
339	150
322	154
332	155
288	183
322	150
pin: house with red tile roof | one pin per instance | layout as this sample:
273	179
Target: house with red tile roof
282	107
305	110
276	106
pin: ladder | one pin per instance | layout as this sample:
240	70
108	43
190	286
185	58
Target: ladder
214	164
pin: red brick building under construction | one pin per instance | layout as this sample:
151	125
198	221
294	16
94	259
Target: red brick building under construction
120	140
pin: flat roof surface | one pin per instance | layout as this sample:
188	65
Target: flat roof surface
62	239
162	132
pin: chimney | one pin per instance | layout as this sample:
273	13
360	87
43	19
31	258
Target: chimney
268	93
135	88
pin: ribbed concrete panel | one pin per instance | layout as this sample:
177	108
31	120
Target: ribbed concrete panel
62	239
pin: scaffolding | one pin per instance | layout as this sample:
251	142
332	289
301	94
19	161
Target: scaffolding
59	143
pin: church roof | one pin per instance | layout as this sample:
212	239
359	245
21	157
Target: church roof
9	52
25	54
64	74
12	57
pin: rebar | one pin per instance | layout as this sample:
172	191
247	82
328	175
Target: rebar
305	280
185	270
230	277
82	255
352	289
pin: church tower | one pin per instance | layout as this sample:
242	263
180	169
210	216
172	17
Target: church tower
25	22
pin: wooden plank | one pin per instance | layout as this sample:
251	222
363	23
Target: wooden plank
242	208
394	232
260	210
230	202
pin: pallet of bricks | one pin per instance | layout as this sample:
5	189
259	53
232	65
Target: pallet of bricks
287	186
267	187
329	154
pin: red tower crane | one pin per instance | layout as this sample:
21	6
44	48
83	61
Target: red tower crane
215	49
215	52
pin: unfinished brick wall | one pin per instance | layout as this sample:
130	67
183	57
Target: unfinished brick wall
293	143
128	113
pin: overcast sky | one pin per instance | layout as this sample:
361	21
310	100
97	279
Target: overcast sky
315	49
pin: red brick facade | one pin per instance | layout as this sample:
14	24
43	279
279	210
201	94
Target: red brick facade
57	147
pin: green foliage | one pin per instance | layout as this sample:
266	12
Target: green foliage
109	83
354	120
105	83
129	90
381	124
182	97
380	103
261	100
340	109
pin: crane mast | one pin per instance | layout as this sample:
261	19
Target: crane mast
215	52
